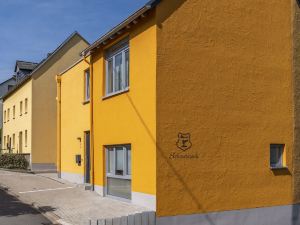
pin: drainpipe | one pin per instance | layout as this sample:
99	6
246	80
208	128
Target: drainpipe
91	120
58	99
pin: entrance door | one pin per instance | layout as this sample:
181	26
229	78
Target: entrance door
20	142
87	175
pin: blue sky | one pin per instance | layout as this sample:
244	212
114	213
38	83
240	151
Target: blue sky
29	29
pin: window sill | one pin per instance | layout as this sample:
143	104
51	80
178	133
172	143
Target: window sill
115	94
85	102
279	168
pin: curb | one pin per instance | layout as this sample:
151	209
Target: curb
17	171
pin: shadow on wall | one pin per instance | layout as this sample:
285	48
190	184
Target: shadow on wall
166	159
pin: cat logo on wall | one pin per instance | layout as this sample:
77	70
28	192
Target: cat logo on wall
184	141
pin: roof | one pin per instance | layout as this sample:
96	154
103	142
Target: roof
43	62
23	65
118	29
12	78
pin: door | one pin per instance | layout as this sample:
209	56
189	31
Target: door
20	142
87	175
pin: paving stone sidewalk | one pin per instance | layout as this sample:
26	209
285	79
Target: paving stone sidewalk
68	203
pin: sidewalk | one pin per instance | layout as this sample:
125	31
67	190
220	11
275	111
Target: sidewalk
67	202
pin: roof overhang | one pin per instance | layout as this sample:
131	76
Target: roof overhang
126	24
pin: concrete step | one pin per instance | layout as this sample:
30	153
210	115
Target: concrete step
88	187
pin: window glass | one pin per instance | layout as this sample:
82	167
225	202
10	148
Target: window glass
110	76
276	155
128	159
118	72
119	161
110	161
127	68
87	85
119	187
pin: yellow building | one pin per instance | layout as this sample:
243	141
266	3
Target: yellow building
74	112
194	112
29	109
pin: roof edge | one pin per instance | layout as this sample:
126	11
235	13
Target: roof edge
149	5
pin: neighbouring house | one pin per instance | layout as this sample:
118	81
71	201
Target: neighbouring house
194	112
5	87
30	107
73	94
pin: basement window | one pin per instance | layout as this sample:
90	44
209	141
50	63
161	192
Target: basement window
117	68
277	156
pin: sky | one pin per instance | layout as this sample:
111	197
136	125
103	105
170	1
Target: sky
29	29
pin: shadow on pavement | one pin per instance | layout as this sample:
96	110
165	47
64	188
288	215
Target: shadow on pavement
12	207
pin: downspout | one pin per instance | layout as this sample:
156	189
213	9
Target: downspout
91	120
58	99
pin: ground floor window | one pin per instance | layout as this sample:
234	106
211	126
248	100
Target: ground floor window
118	171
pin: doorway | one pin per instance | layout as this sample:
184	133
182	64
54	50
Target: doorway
87	155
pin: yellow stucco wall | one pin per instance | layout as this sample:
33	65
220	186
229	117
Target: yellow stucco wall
224	76
44	104
21	122
129	118
75	118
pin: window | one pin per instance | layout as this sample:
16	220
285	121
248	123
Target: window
8	112
26	105
4	142
87	85
118	171
21	108
14	140
4	116
14	112
276	155
25	138
117	67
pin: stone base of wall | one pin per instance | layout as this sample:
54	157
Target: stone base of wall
43	167
279	215
73	177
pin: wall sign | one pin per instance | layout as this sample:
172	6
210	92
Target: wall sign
183	144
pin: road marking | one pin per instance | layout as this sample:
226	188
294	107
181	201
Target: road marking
50	189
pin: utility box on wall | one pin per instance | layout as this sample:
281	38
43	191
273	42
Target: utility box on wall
78	159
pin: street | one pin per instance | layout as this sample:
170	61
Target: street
15	212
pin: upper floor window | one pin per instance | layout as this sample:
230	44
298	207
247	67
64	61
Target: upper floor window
26	105
21	108
87	93
4	116
117	67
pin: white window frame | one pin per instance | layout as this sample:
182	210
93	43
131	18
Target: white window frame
112	57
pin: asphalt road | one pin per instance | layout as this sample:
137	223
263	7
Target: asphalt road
15	212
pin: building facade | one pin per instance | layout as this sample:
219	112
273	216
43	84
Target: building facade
74	112
36	94
193	112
